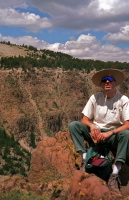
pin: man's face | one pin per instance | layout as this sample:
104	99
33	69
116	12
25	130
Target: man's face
108	85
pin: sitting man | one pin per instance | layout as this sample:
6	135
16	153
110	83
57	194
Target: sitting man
106	119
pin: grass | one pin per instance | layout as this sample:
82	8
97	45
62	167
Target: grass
18	194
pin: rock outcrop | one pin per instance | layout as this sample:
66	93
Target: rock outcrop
54	158
86	186
54	174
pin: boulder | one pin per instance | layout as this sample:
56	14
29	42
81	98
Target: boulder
54	158
54	174
88	186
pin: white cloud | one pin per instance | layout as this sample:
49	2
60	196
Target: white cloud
83	15
112	6
86	14
26	40
105	4
120	37
11	17
85	47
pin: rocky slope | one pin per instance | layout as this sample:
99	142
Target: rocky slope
36	105
43	101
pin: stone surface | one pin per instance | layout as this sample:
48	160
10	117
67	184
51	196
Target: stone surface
88	186
53	159
54	174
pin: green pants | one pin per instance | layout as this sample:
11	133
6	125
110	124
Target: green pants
80	132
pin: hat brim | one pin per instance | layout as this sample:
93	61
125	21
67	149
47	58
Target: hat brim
116	74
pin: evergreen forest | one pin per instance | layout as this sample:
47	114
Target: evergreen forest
51	59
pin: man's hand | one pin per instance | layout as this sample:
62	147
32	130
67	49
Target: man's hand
94	131
96	135
103	136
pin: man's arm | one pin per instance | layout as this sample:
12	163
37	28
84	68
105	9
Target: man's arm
102	136
121	128
97	135
93	128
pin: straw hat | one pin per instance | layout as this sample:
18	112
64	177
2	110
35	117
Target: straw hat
116	74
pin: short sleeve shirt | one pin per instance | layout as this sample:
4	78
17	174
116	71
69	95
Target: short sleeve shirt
107	113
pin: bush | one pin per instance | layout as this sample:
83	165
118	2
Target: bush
32	140
1	171
14	171
6	167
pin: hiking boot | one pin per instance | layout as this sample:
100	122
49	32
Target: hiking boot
114	183
83	166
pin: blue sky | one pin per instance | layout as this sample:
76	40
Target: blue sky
86	29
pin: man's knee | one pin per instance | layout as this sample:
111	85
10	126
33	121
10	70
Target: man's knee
127	134
73	125
124	133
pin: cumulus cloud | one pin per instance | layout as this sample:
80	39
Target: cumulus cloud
85	47
120	37
88	47
27	40
86	14
83	15
11	17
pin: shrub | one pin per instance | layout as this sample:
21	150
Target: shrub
1	171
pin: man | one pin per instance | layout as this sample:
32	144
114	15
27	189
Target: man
106	119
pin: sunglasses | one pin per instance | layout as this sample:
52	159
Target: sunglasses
107	78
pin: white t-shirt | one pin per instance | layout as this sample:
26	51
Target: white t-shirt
107	113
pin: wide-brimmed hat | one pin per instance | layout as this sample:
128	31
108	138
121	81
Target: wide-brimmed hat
116	74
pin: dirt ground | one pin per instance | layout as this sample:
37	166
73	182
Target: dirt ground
10	50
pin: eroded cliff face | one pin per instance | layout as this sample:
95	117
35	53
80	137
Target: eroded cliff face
43	101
